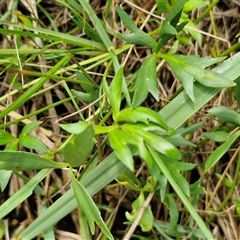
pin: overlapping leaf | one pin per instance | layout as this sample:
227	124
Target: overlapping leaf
187	68
146	81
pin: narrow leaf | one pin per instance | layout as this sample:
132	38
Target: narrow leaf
87	205
220	151
29	127
146	81
116	91
23	161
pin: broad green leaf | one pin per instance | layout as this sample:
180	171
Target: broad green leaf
75	128
220	151
6	137
141	114
119	142
137	36
193	4
29	127
225	114
87	205
146	81
32	143
77	150
23	161
116	91
218	136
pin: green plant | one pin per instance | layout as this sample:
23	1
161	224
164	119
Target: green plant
119	121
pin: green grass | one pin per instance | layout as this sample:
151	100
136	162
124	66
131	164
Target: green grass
80	130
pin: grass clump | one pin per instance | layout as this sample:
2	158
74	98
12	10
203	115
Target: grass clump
113	108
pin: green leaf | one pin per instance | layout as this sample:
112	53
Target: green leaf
141	114
23	161
4	178
146	222
137	36
181	108
160	144
86	97
119	142
163	6
169	26
104	173
75	128
6	137
115	92
220	151
29	127
146	81
192	29
225	114
87	205
32	143
88	84
237	91
23	193
163	168
193	4
174	170
188	67
237	202
173	211
218	136
77	150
